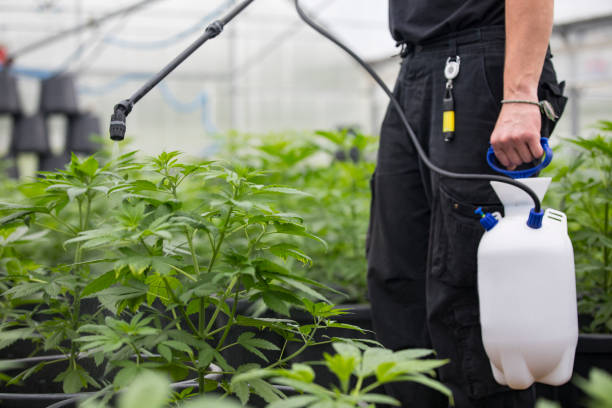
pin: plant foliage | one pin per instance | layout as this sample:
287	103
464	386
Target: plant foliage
583	190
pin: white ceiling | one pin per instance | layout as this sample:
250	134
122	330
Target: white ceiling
361	23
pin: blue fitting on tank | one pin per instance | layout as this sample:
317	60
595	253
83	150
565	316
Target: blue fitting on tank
535	219
487	220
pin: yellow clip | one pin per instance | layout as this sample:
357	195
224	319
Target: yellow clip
448	121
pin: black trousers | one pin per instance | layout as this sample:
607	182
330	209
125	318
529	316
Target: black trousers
423	234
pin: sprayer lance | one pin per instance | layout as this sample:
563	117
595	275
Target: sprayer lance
122	109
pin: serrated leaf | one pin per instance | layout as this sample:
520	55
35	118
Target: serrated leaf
177	345
126	375
299	230
242	391
273	302
102	282
285	250
8	337
431	383
72	381
89	166
266	391
206	356
165	352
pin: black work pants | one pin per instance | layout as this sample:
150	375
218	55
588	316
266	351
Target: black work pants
423	233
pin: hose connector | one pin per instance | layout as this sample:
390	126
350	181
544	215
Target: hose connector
535	219
487	220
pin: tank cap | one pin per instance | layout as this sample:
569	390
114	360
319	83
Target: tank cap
535	219
487	220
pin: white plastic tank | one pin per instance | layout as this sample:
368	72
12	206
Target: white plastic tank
527	292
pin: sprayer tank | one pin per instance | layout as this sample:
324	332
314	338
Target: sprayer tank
527	295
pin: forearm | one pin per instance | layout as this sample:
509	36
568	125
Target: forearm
528	29
516	137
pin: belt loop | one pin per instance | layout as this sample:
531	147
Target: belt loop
479	36
404	49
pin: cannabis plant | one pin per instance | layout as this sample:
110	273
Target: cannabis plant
582	188
165	251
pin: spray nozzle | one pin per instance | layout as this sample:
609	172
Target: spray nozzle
487	220
117	122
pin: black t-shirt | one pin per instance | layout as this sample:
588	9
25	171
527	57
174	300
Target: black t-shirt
416	21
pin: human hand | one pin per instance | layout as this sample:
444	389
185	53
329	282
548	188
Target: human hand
516	137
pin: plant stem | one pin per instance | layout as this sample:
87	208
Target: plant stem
298	351
76	303
217	247
359	384
371	387
136	352
64	223
283	348
181	308
182	272
200	381
227	346
259	237
218	308
194	258
142	241
178	324
202	316
196	268
230	321
87	213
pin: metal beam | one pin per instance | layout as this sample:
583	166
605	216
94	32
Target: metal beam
586	24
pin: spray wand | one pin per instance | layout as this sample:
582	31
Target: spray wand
123	108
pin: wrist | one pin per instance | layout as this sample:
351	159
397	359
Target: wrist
523	91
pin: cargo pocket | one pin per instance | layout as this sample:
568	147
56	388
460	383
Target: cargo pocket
457	233
553	93
473	360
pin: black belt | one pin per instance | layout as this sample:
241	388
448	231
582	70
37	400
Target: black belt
469	36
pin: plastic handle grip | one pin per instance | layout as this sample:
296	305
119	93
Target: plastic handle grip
548	156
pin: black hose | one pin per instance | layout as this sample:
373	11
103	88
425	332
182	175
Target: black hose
398	108
65	402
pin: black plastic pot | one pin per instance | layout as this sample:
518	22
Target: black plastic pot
80	129
593	350
30	134
9	95
58	95
53	162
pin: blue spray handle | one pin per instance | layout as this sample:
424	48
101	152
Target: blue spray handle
548	156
